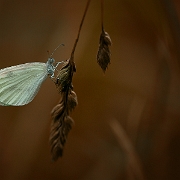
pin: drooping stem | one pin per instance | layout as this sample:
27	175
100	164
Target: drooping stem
102	14
76	41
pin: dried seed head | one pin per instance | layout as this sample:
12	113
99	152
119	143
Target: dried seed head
103	56
62	122
58	136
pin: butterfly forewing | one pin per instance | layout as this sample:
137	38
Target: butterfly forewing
19	84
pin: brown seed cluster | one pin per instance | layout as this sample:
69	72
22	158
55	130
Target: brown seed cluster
103	55
61	120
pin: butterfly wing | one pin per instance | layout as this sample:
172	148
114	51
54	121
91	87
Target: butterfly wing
20	84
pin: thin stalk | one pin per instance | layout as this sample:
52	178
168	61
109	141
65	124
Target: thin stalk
80	27
102	14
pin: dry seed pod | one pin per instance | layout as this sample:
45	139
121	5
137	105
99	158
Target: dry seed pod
103	56
61	124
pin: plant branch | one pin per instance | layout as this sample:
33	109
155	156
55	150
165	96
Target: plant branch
80	27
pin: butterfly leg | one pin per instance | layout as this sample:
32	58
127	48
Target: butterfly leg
58	64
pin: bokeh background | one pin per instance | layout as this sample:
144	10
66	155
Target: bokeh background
127	122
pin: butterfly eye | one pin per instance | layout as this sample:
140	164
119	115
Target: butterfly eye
51	60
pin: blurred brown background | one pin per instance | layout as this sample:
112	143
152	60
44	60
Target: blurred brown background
127	121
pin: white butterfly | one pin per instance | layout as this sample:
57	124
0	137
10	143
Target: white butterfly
20	84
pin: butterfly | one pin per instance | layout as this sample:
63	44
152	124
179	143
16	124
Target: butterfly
20	84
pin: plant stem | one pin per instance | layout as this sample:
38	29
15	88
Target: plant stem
102	14
76	41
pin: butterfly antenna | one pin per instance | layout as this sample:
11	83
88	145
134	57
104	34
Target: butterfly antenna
56	49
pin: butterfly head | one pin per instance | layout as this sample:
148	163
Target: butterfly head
50	63
50	66
51	60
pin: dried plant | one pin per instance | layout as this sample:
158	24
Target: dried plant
62	122
103	55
